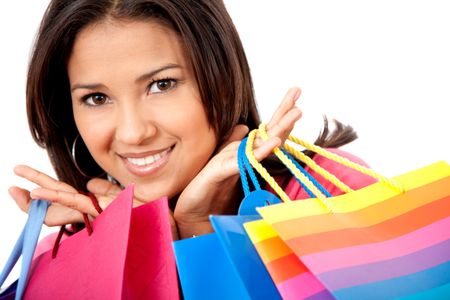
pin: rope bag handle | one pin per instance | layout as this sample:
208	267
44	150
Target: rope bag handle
334	157
308	161
271	181
87	223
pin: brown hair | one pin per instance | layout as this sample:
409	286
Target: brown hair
213	48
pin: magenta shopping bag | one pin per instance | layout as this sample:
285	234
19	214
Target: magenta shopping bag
128	256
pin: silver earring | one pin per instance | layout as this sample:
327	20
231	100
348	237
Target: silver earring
74	159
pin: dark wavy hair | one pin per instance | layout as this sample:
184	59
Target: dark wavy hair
213	48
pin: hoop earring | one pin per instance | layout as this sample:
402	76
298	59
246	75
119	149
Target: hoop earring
74	159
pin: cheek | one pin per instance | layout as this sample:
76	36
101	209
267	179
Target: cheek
94	131
198	138
193	126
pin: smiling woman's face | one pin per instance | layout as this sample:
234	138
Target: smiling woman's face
137	106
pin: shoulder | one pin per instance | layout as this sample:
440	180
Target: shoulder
354	179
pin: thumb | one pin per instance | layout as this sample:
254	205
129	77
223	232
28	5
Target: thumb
103	187
238	133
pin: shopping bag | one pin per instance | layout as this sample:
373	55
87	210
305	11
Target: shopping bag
25	246
127	256
291	277
224	264
388	240
10	292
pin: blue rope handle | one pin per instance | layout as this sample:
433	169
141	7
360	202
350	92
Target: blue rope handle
313	180
244	168
25	245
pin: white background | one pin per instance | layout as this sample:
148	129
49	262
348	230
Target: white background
382	66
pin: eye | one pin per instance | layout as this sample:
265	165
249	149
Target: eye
161	86
95	99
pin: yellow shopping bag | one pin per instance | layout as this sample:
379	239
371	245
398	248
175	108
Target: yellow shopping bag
390	239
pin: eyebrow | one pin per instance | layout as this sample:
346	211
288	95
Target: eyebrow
143	77
152	73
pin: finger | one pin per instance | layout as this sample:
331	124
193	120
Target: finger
173	226
239	132
286	104
104	190
231	147
228	160
74	201
103	187
21	197
42	179
284	127
56	214
266	148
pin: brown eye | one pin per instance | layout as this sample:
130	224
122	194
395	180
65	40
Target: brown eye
98	99
161	86
164	84
95	99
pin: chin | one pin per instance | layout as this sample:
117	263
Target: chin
141	194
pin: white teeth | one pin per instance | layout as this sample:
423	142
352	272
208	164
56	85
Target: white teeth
146	160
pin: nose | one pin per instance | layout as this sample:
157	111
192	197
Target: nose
133	125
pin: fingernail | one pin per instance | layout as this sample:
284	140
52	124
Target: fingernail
34	194
274	141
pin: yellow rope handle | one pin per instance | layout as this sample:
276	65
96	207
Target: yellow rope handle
290	165
269	179
318	169
346	162
261	170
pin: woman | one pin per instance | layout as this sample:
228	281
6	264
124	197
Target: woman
160	93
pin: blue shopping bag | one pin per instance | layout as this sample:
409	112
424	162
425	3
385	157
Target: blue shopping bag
225	264
25	246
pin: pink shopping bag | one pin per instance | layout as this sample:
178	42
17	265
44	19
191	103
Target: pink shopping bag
128	256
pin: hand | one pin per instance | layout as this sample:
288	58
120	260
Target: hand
205	195
284	118
108	191
215	188
67	203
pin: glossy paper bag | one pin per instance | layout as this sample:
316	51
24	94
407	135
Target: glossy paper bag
377	242
388	240
128	256
224	264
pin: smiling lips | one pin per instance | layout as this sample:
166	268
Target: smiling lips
146	165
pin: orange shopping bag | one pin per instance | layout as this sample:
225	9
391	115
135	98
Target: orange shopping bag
292	278
388	240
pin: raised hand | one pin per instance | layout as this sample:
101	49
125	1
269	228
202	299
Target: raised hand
213	191
215	188
67	203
